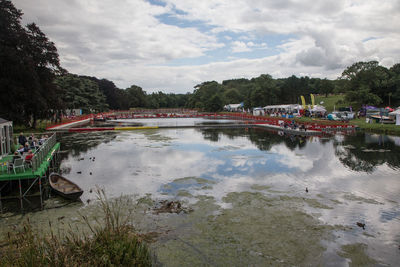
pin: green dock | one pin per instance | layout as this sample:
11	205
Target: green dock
31	175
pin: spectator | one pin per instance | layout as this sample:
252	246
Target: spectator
29	157
26	147
34	144
22	139
21	149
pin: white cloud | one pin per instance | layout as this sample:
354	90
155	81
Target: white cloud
238	46
129	43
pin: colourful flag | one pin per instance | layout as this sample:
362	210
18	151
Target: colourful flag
312	101
303	102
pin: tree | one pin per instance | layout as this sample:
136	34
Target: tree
114	96
136	96
326	87
29	63
203	93
394	84
232	96
81	93
366	83
214	104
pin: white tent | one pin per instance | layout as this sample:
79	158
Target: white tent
318	108
396	113
233	107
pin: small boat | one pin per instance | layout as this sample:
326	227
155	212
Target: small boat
64	187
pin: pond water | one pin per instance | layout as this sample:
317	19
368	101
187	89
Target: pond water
243	194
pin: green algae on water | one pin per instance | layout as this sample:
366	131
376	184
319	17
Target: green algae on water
260	187
257	231
353	197
183	193
356	253
193	180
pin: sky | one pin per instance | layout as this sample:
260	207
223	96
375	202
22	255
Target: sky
173	45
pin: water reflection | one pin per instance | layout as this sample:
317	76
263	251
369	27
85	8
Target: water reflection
364	151
247	190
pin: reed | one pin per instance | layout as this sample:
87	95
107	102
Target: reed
112	242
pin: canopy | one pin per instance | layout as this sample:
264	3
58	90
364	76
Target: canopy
397	111
233	106
288	106
318	108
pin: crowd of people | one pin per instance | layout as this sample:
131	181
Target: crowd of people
293	125
27	148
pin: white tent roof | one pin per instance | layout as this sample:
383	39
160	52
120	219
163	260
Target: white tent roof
318	108
289	106
397	111
235	105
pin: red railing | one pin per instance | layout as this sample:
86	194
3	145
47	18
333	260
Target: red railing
317	126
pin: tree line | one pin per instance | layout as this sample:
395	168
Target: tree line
33	85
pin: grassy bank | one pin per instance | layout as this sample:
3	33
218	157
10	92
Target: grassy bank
113	242
331	102
376	127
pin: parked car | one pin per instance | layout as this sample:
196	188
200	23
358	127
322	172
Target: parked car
341	116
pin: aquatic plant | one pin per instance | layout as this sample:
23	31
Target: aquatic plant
113	242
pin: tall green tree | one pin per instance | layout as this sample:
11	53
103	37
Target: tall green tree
394	84
28	64
326	87
81	93
214	104
366	83
136	96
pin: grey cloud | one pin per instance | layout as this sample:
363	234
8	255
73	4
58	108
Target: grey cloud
126	40
311	57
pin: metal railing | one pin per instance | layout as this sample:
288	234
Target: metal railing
41	153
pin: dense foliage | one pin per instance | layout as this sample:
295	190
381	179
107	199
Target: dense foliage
81	93
34	86
28	65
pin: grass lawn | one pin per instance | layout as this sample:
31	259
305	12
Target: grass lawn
377	127
331	101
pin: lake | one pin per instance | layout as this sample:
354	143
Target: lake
248	196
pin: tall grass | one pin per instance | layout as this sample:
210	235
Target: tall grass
112	242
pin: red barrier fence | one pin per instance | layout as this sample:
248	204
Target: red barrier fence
316	126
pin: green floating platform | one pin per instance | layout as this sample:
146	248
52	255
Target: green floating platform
28	173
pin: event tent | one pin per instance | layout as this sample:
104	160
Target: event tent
396	114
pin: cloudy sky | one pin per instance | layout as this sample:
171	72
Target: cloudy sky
172	45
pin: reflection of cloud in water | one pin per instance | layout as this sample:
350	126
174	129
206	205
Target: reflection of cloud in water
291	159
129	165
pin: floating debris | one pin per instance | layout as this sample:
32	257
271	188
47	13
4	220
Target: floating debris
90	173
79	172
166	206
306	190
